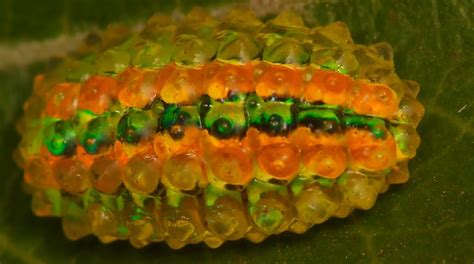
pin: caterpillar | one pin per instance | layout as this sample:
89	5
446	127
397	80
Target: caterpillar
213	130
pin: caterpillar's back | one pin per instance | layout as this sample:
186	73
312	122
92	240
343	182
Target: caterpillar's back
209	130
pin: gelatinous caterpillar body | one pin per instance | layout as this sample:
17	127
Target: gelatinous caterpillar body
209	130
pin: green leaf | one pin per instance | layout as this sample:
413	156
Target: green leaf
429	219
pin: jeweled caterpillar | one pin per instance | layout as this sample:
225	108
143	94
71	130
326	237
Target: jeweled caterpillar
208	130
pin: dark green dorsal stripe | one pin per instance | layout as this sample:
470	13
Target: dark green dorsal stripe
222	118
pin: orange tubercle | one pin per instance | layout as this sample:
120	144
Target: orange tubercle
222	78
97	93
279	81
180	85
369	153
231	165
62	100
142	172
281	161
276	157
229	161
72	175
106	174
40	174
322	154
374	99
165	146
137	87
329	87
327	161
184	171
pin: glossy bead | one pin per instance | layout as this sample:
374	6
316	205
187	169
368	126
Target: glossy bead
72	176
231	165
180	85
287	20
273	117
299	227
155	211
374	99
314	206
106	174
226	120
154	54
113	61
134	126
97	93
369	153
399	174
271	214
137	88
60	138
177	119
192	50
255	235
62	100
183	225
75	230
184	172
40	174
75	221
97	135
142	172
286	51
329	87
407	141
358	192
319	120
222	79
325	160
102	220
238	46
410	110
279	81
139	223
227	219
281	161
46	202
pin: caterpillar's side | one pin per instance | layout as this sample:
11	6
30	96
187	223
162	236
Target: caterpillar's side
208	130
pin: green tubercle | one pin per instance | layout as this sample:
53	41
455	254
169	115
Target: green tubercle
153	54
134	126
174	198
374	124
272	116
298	184
286	51
60	138
325	182
113	61
55	198
97	135
319	118
237	46
225	119
257	187
192	50
268	218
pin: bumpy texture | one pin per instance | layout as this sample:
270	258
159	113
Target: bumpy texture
207	130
